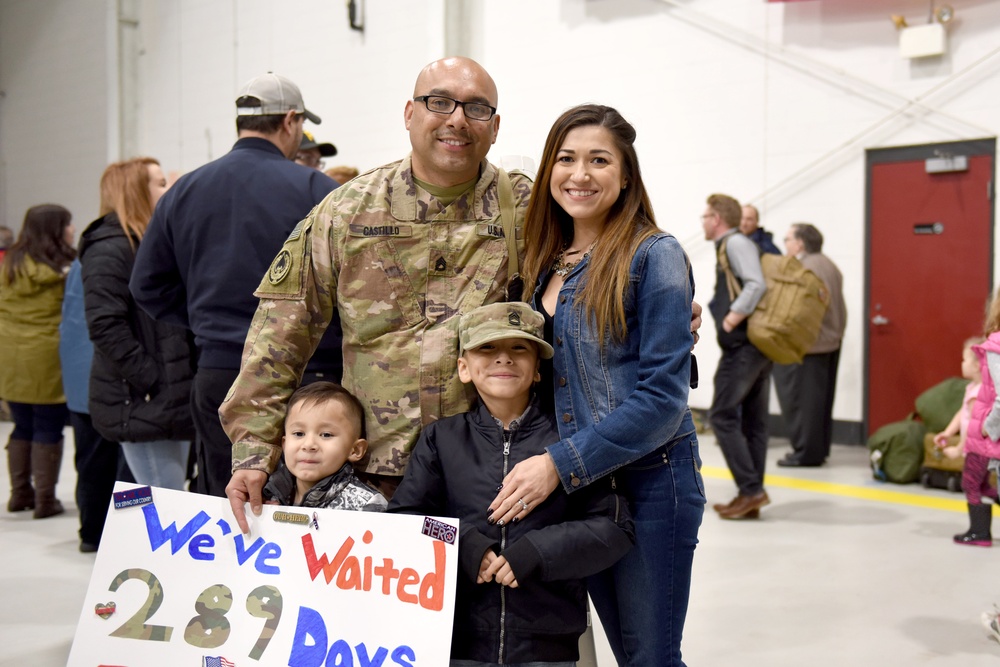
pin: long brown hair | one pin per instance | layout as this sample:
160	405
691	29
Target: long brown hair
42	238
548	228
992	324
125	192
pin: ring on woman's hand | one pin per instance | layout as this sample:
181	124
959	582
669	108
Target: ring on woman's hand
524	505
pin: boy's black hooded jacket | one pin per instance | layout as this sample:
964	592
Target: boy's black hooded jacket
454	471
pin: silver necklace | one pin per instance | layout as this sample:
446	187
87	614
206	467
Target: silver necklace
561	267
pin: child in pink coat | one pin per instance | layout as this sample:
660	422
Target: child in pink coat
959	424
982	442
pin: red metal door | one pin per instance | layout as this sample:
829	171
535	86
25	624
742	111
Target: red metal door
930	255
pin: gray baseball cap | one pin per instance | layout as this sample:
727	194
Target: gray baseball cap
271	95
498	321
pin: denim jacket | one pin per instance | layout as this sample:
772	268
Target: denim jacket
617	404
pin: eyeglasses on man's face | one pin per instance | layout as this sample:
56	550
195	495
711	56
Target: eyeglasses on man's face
446	106
309	159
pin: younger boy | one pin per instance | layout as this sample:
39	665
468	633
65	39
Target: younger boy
324	434
520	593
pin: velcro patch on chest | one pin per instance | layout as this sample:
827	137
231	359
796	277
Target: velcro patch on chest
490	229
400	231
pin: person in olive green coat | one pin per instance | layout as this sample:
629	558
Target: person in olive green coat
32	280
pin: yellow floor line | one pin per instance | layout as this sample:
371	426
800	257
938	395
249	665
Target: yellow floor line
848	491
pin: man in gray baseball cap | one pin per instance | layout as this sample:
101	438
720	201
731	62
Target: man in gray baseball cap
212	237
272	95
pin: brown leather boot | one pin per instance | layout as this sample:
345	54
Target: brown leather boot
22	495
744	506
45	463
720	507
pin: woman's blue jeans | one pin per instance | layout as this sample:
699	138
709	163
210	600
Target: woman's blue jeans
642	600
161	463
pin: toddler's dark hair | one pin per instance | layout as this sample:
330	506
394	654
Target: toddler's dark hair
320	392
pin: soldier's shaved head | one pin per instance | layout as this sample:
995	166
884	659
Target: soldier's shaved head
466	68
449	147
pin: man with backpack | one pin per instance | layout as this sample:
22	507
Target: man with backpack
739	411
805	391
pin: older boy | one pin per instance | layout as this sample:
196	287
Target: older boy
324	434
521	596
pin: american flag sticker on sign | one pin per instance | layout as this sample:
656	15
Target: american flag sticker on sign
217	661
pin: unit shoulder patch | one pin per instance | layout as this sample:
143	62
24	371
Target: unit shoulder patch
285	277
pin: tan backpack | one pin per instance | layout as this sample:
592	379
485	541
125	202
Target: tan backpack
787	319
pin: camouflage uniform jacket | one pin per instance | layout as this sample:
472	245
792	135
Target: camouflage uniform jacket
401	268
340	491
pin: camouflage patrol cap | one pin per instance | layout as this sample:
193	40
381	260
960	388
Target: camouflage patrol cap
498	321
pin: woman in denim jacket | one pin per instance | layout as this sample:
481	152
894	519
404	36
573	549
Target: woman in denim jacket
616	294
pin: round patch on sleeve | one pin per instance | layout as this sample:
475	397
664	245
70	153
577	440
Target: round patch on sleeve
280	267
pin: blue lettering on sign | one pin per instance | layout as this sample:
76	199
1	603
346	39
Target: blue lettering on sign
309	647
404	656
340	655
269	552
200	544
242	553
158	535
365	661
309	644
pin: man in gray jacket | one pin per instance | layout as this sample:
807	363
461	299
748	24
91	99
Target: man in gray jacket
806	390
739	411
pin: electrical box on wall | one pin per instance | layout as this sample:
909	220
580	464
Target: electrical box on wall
922	41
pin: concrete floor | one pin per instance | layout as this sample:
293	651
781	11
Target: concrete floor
840	570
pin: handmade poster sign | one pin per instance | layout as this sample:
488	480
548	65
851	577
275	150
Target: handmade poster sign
176	583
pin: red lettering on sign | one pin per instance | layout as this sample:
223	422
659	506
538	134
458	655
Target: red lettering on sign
345	571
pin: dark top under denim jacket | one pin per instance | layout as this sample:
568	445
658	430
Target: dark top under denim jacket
617	403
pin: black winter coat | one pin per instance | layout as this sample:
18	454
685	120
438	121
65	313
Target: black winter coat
454	471
140	380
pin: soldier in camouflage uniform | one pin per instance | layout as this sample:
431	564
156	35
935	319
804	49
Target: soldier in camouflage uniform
401	252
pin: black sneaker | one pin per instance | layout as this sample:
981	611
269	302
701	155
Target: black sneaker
974	539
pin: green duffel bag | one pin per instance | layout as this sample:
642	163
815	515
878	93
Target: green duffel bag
897	451
938	405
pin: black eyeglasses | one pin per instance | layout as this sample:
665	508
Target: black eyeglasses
308	159
446	106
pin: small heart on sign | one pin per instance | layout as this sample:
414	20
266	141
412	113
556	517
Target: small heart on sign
104	610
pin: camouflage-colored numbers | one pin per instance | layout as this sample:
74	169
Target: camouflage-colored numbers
135	627
264	602
210	628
